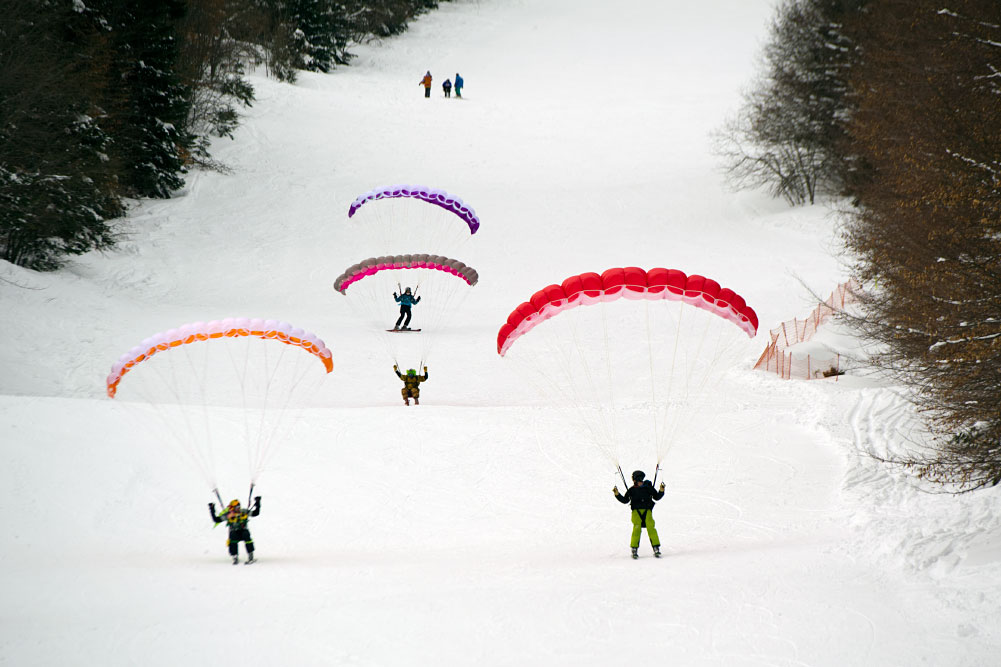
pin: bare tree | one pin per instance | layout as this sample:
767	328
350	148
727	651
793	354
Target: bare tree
788	134
927	229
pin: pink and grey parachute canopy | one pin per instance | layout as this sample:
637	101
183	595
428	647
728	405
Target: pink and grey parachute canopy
233	327
628	283
434	196
374	265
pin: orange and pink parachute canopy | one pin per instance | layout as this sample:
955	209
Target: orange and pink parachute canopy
235	327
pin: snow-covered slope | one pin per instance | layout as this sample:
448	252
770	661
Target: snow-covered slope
474	529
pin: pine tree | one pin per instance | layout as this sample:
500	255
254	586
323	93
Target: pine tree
149	106
57	184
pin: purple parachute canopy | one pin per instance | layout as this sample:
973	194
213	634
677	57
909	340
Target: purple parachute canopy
434	196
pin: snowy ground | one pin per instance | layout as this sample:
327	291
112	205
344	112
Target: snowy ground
474	529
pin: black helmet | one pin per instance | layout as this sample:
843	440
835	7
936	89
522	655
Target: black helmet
639	476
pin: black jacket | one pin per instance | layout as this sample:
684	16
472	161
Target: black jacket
641	497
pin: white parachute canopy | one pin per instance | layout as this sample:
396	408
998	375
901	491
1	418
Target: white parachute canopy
238	383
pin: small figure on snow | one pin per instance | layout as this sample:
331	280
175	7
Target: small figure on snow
447	87
406	301
236	519
426	82
458	85
411	384
641	497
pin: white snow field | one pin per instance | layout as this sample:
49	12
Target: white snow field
478	528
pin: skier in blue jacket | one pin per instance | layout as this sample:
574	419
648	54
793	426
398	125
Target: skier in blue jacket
458	85
406	301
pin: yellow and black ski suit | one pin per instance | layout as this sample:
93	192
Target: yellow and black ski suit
236	520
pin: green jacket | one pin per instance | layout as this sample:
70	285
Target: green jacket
412	381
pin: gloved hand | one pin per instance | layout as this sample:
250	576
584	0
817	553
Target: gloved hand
257	499
395	367
394	295
425	369
212	507
662	487
615	490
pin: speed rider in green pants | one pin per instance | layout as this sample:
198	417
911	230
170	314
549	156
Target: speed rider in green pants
641	497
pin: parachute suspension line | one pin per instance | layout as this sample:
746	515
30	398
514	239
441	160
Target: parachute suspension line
221	503
199	372
663	441
250	495
626	486
240	372
272	424
611	418
654	411
171	383
597	429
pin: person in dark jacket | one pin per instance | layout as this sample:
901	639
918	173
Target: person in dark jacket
426	82
447	87
236	520
406	301
458	85
411	384
641	496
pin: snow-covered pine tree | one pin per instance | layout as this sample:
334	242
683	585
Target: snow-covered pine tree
57	184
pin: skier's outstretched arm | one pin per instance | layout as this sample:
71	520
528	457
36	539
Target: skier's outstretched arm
398	373
213	515
425	374
257	506
624	499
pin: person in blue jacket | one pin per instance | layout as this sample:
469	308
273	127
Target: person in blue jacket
406	301
457	85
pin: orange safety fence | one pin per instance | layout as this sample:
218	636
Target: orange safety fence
779	360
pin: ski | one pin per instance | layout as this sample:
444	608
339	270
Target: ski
402	330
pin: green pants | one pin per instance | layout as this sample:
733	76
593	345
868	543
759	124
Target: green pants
644	519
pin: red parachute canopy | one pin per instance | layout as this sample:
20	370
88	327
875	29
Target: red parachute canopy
282	332
628	283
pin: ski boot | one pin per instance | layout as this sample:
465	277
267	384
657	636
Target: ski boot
236	560
406	401
417	401
250	558
656	551
406	328
636	552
